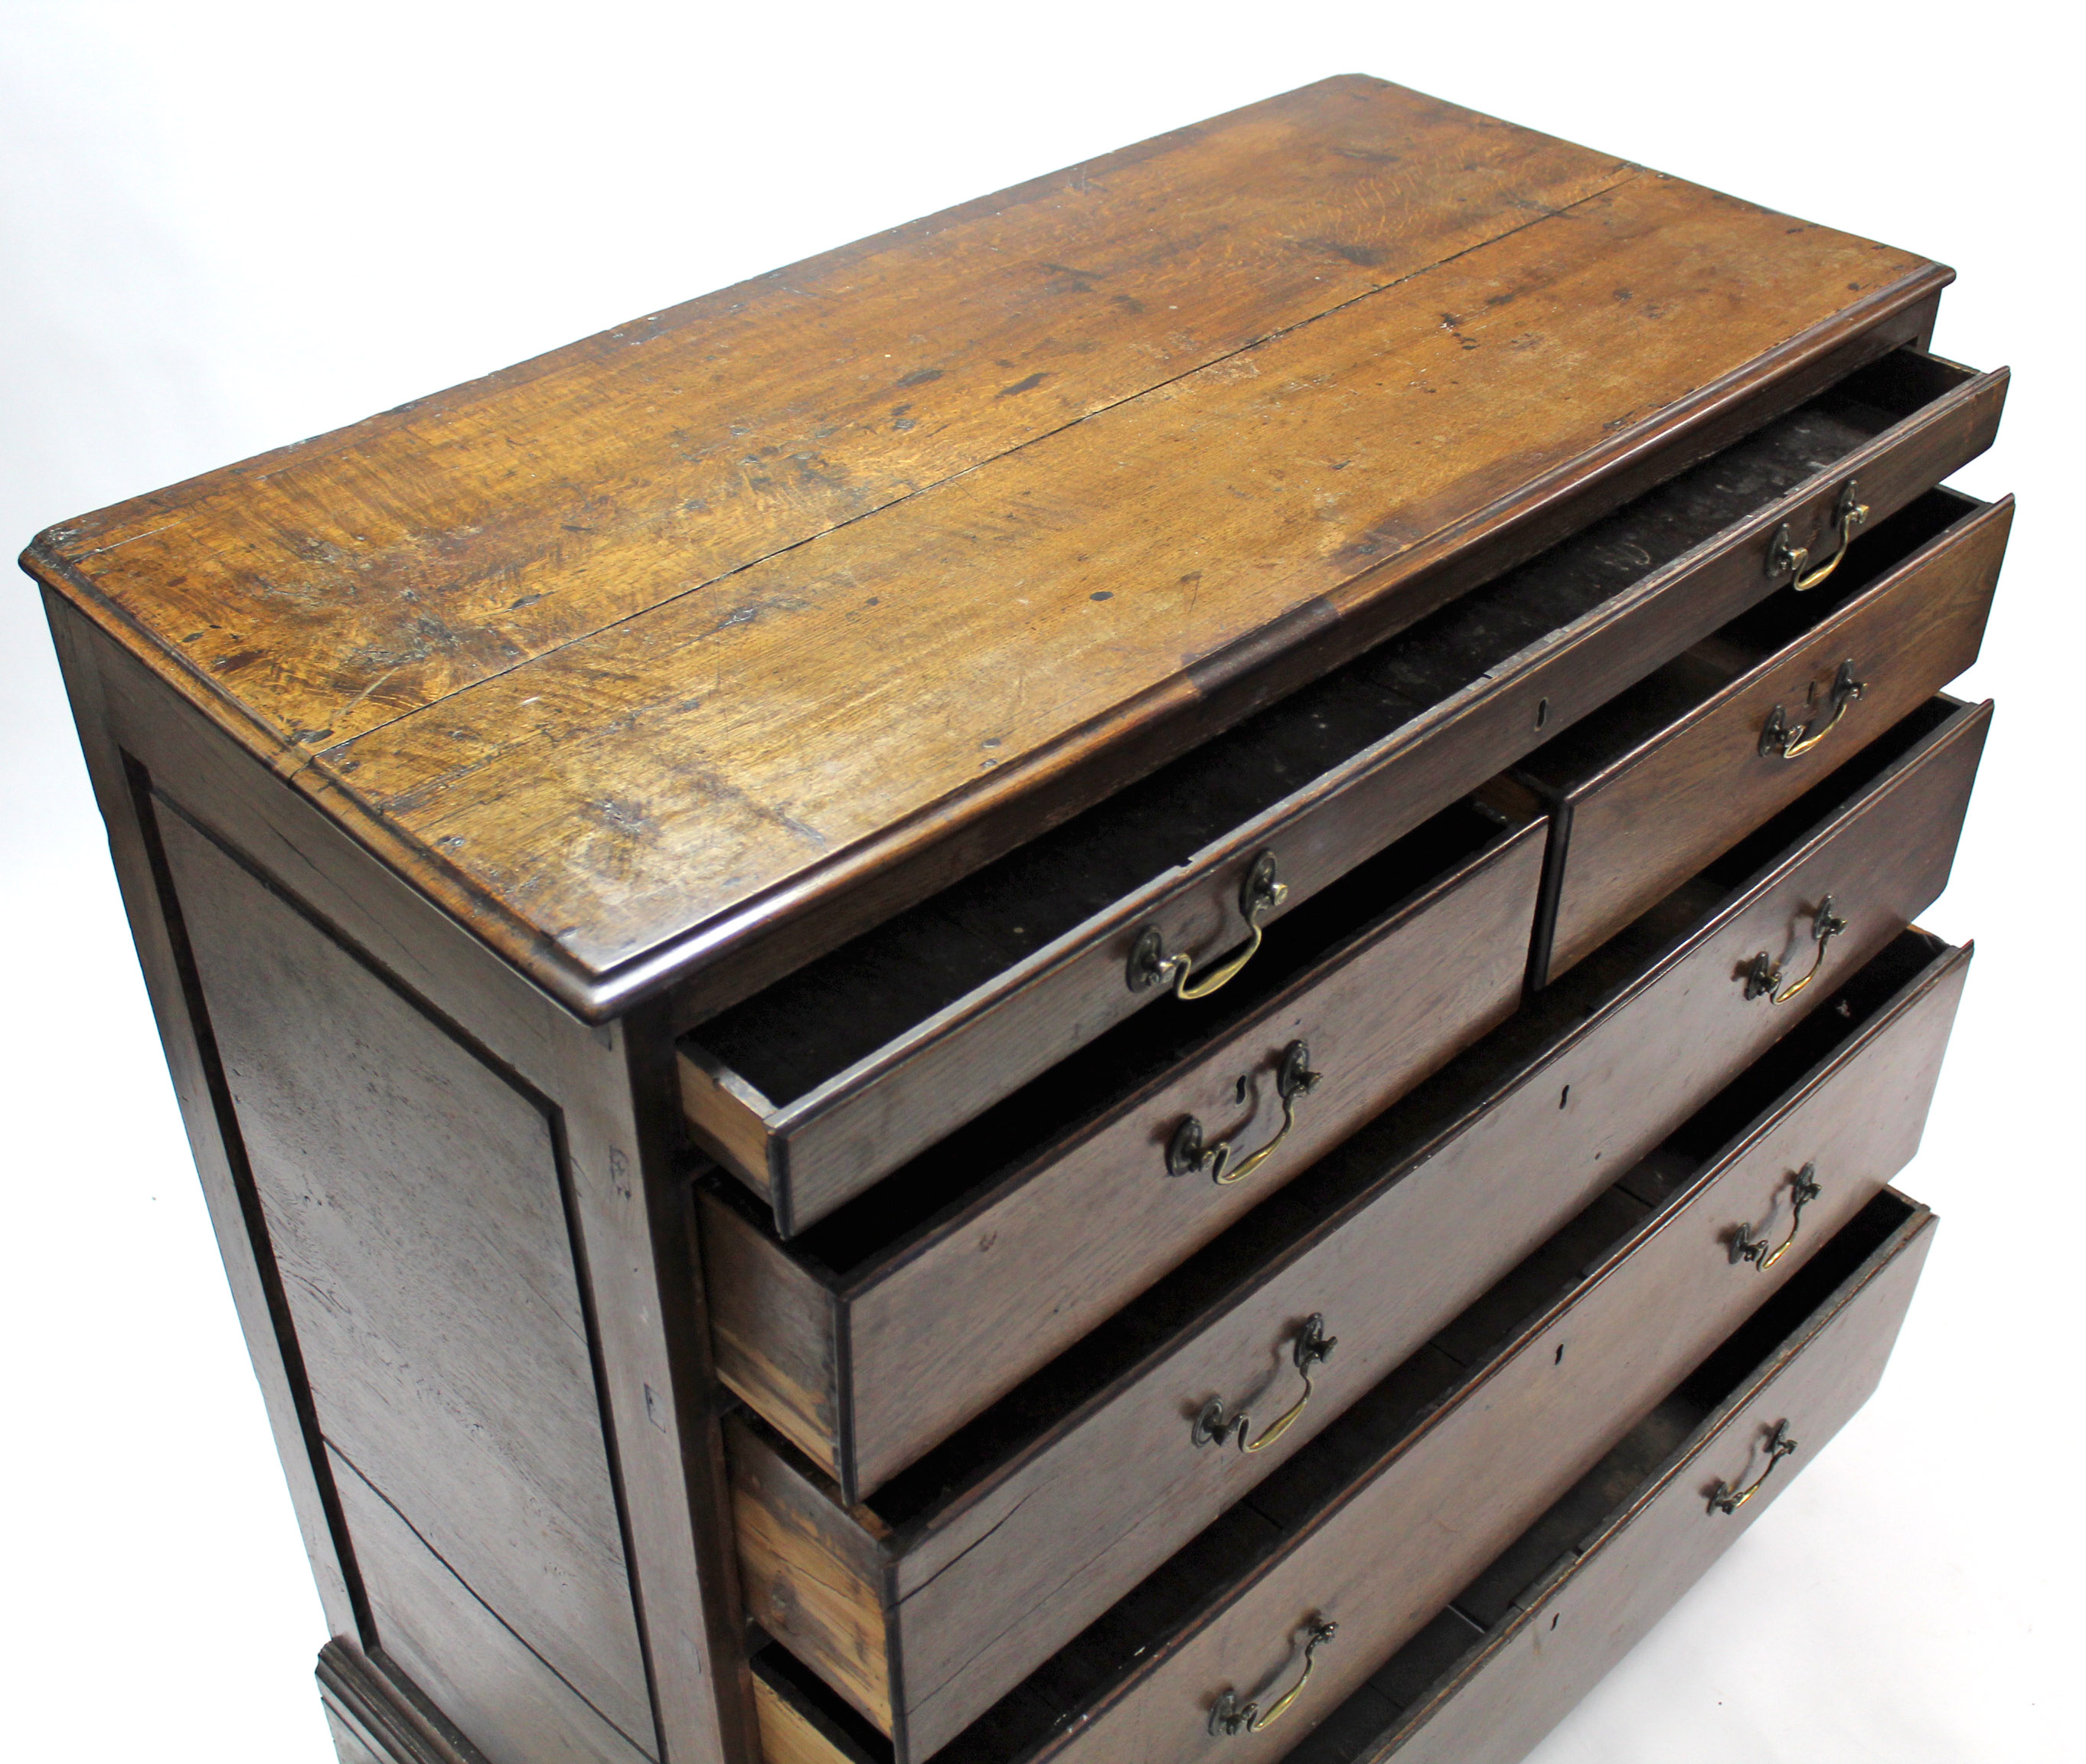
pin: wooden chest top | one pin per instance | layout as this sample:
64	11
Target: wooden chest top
645	647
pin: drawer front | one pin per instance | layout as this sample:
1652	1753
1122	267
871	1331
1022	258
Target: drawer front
1628	1553
808	1156
1630	837
951	1322
1532	1670
961	1317
923	1627
982	1603
1379	1559
1005	1287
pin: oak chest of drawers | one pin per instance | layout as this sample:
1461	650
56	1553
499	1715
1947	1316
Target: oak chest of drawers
1132	978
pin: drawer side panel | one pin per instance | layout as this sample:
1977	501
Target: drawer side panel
809	1572
771	1331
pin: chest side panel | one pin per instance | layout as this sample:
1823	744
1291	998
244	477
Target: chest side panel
414	1204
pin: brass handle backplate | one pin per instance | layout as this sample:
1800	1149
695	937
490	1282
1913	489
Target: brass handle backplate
1149	966
1746	1247
1791	741
1763	974
1229	1717
1785	557
1727	1499
1187	1152
1213	1427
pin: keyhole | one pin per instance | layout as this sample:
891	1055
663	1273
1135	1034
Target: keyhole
1542	712
1560	1359
1238	1093
1564	1096
1554	1616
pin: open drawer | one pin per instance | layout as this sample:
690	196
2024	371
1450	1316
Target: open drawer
1360	1539
1649	788
925	1605
1519	1647
836	1077
871	1339
870	1336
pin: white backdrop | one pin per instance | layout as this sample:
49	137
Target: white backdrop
224	226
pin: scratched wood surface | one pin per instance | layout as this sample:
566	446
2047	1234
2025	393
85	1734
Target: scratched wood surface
636	649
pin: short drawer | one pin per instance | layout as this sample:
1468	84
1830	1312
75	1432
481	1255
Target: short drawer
863	1364
836	1077
912	1310
1682	766
922	1619
1516	1650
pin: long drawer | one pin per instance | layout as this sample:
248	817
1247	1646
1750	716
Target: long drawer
834	1077
1653	785
864	1364
1008	1240
1355	1563
922	1620
1528	1637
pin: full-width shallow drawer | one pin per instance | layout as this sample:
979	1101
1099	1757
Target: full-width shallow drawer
930	1296
922	1619
865	1351
833	1077
1528	1637
1653	785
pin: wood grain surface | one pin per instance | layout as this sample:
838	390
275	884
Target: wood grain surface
122	793
812	1571
822	1083
647	1326
1635	814
799	1724
1484	1679
637	648
1879	838
1073	1517
366	1707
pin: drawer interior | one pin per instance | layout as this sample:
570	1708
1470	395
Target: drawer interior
1116	1064
1598	1500
1647	710
940	1182
1226	1553
863	1000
